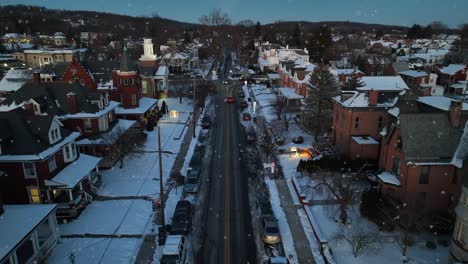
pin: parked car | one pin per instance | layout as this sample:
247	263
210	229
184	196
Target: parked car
181	218
206	122
243	104
246	117
271	234
192	181
278	260
229	100
174	250
298	139
251	138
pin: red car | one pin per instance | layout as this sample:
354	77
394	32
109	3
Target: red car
246	117
229	100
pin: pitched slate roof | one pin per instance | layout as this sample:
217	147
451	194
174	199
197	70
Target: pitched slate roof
428	137
28	133
52	97
101	70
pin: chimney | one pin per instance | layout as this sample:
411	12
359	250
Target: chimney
29	107
455	113
36	77
373	97
71	102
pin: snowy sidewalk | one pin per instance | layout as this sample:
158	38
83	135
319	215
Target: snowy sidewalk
301	243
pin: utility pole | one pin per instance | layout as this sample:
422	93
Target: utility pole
161	186
194	106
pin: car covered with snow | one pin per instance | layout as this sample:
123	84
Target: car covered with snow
192	181
174	250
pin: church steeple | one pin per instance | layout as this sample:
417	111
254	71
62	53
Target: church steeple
148	51
125	60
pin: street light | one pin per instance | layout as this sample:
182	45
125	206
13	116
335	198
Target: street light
161	186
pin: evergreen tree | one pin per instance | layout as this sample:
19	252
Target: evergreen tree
352	83
164	108
318	109
414	32
320	43
187	38
296	40
258	29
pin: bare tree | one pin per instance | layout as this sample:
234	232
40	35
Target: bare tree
215	18
339	187
125	144
360	238
279	105
269	140
287	118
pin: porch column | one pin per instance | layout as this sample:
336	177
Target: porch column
81	186
70	195
35	241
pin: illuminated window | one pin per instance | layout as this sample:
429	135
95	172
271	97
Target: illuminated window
35	195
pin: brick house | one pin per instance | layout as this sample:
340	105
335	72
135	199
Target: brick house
419	153
80	109
420	81
342	75
295	74
359	116
452	74
40	163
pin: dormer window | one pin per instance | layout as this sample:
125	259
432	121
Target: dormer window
54	134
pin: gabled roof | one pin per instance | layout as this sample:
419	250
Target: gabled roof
428	137
14	79
452	69
52	97
29	133
413	73
439	102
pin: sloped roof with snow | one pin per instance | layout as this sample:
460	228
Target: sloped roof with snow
14	79
18	221
452	69
361	99
146	104
289	93
383	83
413	73
75	172
439	102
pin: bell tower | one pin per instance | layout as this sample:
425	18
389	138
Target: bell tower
148	59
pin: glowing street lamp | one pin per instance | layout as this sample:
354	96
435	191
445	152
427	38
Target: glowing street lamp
174	114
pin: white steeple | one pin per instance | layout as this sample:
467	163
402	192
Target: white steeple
148	52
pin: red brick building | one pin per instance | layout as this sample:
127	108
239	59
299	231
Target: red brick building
452	74
295	74
359	116
421	152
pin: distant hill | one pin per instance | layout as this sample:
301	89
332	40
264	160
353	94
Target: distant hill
21	19
338	26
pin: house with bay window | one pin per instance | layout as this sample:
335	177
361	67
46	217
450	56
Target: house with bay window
80	109
40	164
28	232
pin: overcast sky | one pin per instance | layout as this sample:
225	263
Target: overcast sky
394	12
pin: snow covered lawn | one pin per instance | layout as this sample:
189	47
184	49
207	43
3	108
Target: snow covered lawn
111	217
95	250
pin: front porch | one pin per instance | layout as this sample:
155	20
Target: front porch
75	186
293	100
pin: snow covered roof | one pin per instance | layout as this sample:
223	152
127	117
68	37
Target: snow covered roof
162	71
394	111
58	51
361	99
383	83
14	79
389	178
365	140
105	138
344	71
452	69
439	102
273	76
44	154
460	85
462	150
289	93
413	73
264	62
101	112
74	173
145	105
18	221
310	67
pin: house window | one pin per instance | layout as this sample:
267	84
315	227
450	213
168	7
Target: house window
134	101
380	123
144	86
132	81
396	166
87	125
424	177
51	163
356	122
125	81
73	149
35	195
67	153
29	170
460	233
